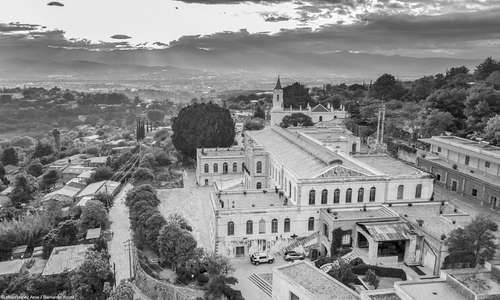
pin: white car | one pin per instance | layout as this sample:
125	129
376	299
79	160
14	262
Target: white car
261	257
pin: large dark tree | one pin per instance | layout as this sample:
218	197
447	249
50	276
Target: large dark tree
101	173
488	66
9	156
296	95
22	191
386	87
35	168
49	179
482	103
202	125
296	119
42	149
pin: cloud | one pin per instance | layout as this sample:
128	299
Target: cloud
120	37
272	17
55	3
13	27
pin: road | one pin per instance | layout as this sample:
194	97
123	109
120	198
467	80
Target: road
120	226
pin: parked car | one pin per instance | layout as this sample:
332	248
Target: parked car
261	258
294	255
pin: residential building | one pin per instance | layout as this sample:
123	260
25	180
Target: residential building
105	187
65	259
74	171
64	196
11	267
467	167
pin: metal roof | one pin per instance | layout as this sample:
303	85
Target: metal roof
384	231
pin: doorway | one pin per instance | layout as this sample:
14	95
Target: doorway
454	185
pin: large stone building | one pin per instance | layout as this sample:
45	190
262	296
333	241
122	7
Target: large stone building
318	113
467	167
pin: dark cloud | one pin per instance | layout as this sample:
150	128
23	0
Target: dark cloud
120	37
55	3
13	27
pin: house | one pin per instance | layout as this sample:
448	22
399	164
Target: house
19	252
107	187
467	167
65	259
93	234
96	162
11	267
301	280
64	196
78	182
74	171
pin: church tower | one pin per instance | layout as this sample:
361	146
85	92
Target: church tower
278	103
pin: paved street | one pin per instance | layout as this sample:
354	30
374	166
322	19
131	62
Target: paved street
191	202
120	226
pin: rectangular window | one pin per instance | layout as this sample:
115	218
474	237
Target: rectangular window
467	159
474	192
346	239
439	149
486	164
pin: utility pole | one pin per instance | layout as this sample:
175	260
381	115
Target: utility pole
128	247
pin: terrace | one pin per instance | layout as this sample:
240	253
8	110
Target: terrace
248	200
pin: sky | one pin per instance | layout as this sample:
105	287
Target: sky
461	29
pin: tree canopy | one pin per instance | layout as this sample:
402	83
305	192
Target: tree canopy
9	156
296	95
204	125
93	215
175	245
296	119
101	173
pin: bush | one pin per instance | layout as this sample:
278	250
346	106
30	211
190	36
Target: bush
35	168
162	159
379	271
463	259
254	124
100	174
202	279
93	215
143	174
356	261
144	192
92	151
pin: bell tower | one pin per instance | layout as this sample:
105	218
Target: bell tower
278	103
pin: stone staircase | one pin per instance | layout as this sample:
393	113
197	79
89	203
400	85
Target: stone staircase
301	241
261	284
347	258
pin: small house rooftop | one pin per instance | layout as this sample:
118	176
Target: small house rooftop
65	259
10	267
429	290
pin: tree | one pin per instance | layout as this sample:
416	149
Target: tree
177	219
343	272
482	103
42	149
488	66
259	112
2	171
436	122
124	291
105	199
494	79
22	191
100	174
492	130
88	280
57	139
9	156
151	228
63	235
155	115
202	126
161	134
296	95
456	71
162	158
143	192
477	237
175	245
49	179
254	124
451	100
143	174
218	286
35	168
296	119
371	278
217	264
93	215
386	87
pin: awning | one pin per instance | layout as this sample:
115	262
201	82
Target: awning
384	231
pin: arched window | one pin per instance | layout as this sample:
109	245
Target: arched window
249	227
310	224
286	227
373	190
401	190
361	194
259	185
324	196
258	167
418	191
336	196
312	197
274	226
262	226
235	167
205	168
348	195
230	228
224	168
216	168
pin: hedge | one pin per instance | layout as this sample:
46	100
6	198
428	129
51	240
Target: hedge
380	271
463	259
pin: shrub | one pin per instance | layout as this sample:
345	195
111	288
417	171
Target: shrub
143	174
464	259
356	261
371	278
63	235
100	174
35	168
92	151
144	192
93	215
379	271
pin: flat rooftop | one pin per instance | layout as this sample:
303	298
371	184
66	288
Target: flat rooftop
483	148
65	259
388	165
252	199
359	214
430	290
232	151
9	267
316	282
480	282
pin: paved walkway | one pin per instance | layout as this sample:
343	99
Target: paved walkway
193	203
120	226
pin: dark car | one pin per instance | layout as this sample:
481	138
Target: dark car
294	255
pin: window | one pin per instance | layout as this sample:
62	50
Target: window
259	185
474	192
373	191
235	167
486	164
324	196
336	196
467	159
286	227
274	226
348	195
439	149
312	197
205	168
289	189
262	226
293	296
346	239
230	228
249	227
418	191
438	177
206	181
353	148
216	168
361	194
224	168
242	167
259	167
401	190
454	185
310	224
325	229
320	118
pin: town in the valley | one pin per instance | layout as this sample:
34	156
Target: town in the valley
387	190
